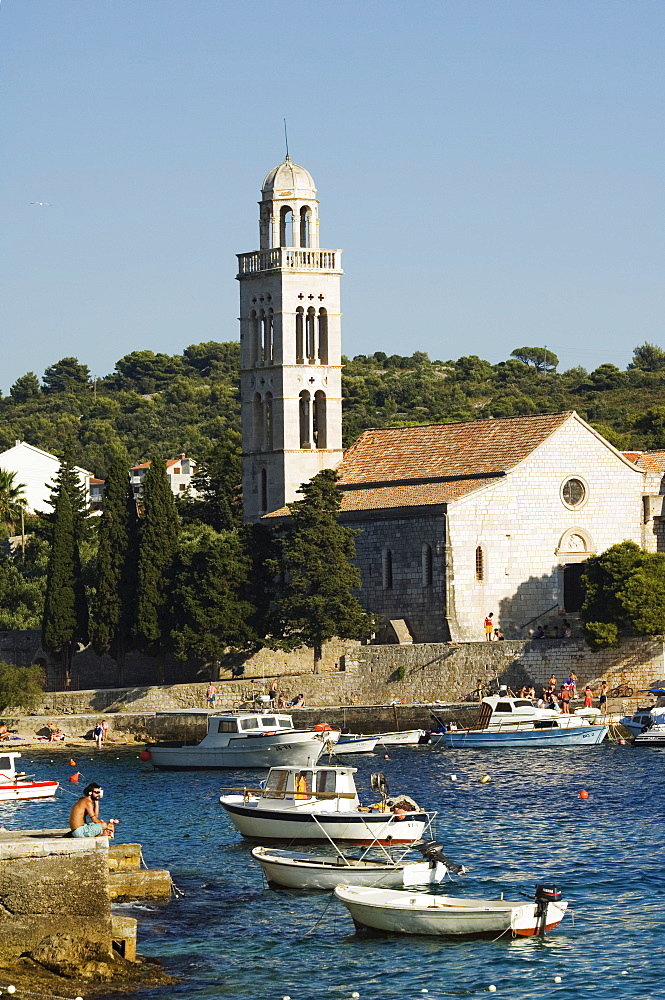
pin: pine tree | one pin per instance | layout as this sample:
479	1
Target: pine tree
158	537
116	569
318	601
65	622
211	612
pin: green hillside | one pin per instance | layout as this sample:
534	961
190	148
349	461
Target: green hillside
165	404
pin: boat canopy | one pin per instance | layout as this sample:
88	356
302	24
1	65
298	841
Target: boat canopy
308	782
7	766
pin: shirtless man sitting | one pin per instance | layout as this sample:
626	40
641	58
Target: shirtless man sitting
87	807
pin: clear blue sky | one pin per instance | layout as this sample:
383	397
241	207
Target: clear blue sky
493	170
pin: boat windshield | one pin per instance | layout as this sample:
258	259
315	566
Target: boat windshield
269	721
227	726
276	783
503	706
325	781
6	767
249	724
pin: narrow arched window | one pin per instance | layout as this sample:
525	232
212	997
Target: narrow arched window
257	422
265	229
304	403
310	335
300	335
261	321
323	336
268	427
427	565
268	337
254	351
264	490
387	569
480	564
304	226
320	432
286	227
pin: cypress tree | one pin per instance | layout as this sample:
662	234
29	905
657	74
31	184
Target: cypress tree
116	569
65	621
211	612
158	538
318	601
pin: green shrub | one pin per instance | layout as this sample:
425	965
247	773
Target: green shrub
20	687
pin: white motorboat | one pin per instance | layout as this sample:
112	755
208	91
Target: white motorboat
643	719
243	739
505	721
297	870
402	912
652	735
321	803
15	786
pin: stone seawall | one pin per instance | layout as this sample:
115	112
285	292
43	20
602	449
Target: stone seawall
381	675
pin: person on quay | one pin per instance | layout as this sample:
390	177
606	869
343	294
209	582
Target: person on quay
272	692
489	627
84	820
602	700
211	695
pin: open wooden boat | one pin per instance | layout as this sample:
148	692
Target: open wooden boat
15	787
298	870
402	912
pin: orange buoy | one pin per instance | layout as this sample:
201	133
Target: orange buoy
75	776
145	755
584	794
72	763
322	727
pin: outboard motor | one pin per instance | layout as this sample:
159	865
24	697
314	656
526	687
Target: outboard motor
432	851
544	895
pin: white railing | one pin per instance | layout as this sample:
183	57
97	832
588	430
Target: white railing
284	258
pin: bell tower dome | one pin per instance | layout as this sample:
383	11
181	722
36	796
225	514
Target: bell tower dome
290	346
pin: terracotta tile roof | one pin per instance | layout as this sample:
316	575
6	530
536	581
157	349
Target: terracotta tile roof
652	461
436	463
145	465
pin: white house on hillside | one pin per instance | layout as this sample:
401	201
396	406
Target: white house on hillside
37	470
180	471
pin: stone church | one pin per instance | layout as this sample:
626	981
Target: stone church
456	520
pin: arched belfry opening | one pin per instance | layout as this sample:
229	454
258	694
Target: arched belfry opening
291	348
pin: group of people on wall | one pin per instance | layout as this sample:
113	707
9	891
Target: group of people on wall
552	630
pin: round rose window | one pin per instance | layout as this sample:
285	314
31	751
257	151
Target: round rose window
574	492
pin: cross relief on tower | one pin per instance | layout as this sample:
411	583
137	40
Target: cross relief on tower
290	342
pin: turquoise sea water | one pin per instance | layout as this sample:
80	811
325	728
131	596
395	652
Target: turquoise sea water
230	936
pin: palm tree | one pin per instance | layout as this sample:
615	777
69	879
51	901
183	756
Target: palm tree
12	499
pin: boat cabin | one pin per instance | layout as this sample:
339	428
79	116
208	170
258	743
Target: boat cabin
312	782
501	710
221	727
7	766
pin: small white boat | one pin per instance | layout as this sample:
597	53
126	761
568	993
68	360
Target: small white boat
505	721
15	786
651	736
243	739
297	870
402	912
321	803
401	738
351	743
643	719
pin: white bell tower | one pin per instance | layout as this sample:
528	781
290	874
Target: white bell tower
290	347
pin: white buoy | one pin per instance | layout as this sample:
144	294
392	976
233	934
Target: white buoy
557	979
624	972
11	989
491	989
453	777
355	996
286	998
424	991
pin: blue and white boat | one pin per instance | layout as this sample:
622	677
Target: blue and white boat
643	719
504	721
